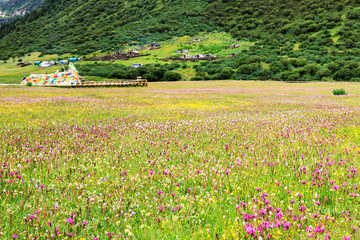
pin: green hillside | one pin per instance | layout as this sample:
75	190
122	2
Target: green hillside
83	26
287	40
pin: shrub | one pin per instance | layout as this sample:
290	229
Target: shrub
339	91
172	76
197	78
248	68
226	73
324	72
118	74
311	68
276	67
343	75
300	62
327	79
29	84
290	76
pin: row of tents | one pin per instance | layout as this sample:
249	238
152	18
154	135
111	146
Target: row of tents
46	64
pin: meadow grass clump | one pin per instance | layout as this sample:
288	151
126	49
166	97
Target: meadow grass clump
339	91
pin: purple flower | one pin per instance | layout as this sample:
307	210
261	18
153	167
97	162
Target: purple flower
70	221
286	225
302	208
249	229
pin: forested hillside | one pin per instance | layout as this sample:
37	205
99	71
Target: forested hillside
293	40
83	26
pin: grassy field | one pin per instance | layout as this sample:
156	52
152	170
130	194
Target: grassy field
183	160
212	43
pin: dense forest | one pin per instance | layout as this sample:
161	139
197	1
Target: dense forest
293	40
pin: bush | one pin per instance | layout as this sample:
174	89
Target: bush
248	68
197	78
118	74
324	72
226	73
172	76
311	68
327	79
290	76
29	84
343	75
276	67
300	62
339	91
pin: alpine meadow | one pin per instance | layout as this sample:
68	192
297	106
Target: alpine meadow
197	119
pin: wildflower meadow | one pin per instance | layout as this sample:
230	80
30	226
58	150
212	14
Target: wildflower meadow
183	160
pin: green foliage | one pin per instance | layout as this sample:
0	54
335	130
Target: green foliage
172	76
290	76
324	72
63	26
29	84
276	67
339	91
196	78
248	68
343	75
151	72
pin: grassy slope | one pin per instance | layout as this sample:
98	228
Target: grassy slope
215	43
10	73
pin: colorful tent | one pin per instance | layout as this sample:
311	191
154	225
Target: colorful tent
56	79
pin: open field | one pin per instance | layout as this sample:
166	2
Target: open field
182	160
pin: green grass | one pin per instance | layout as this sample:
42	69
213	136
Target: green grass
10	73
212	43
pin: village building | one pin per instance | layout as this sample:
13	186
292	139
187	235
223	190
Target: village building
198	57
136	65
182	51
154	46
133	53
